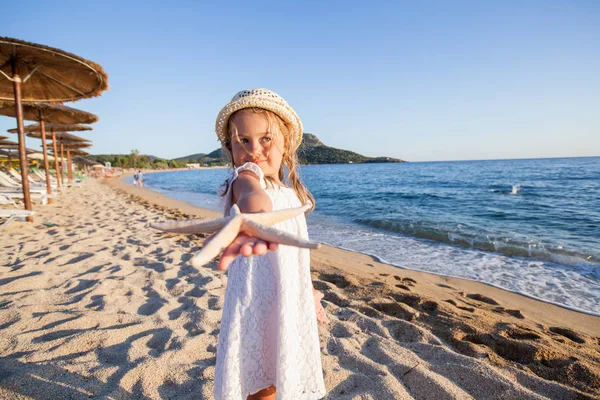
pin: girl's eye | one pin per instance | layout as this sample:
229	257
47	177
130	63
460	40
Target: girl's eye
267	139
243	140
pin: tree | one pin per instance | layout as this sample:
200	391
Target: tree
134	155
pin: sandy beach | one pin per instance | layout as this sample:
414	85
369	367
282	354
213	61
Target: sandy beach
102	306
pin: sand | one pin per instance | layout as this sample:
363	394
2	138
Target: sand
101	306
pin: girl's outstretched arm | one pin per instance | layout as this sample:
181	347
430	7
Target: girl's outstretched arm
250	198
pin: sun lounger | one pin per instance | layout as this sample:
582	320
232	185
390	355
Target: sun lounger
5	200
40	180
11	178
16	179
12	190
42	176
41	197
7	183
53	180
11	215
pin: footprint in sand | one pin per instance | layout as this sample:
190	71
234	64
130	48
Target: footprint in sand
82	285
97	302
469	309
513	313
482	298
394	309
336	298
146	263
320	285
158	341
338	280
153	303
445	286
196	292
405	281
568	333
522	334
340	331
215	302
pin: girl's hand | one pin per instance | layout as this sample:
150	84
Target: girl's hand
250	198
246	246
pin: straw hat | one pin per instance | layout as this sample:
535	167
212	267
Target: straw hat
259	98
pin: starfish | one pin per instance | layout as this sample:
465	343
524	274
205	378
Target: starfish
254	224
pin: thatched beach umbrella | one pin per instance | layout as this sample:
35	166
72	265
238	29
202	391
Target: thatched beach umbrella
64	138
11	149
59	136
39	73
40	157
80	159
72	146
7	142
8	145
53	113
56	130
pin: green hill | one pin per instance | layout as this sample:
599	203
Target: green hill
311	151
191	158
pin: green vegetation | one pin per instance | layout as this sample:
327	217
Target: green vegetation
311	151
136	160
215	158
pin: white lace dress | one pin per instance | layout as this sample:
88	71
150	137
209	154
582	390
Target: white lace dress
269	330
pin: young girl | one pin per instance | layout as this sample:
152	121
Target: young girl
268	341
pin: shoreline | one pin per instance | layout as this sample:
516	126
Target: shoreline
539	309
163	200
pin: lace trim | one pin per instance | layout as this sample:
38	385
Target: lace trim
225	189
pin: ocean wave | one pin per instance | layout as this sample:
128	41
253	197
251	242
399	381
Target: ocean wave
486	241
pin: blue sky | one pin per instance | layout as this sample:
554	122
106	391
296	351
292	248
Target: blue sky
421	81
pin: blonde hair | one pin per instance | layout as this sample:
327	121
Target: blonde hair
290	159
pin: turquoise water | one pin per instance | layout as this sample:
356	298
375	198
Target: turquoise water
529	226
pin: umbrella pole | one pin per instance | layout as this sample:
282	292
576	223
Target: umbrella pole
55	159
21	131
46	168
69	166
62	161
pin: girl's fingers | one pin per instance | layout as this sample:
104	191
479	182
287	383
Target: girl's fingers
260	248
247	249
246	246
231	252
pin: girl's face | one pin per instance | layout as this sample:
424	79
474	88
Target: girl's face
257	142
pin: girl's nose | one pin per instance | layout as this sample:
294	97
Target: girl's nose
255	147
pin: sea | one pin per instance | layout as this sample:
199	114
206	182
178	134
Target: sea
530	226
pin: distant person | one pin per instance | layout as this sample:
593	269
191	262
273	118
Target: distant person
135	179
268	340
140	178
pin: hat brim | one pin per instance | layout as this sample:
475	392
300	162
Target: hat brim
283	110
